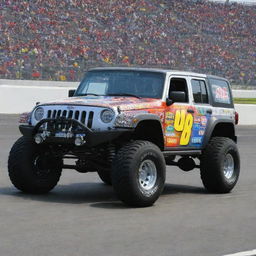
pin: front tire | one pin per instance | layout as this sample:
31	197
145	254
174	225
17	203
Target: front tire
31	168
105	176
138	174
220	165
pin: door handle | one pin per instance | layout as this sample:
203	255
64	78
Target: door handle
190	111
209	111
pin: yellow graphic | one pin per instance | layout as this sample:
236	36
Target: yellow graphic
183	123
179	120
185	136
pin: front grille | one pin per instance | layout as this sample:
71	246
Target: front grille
84	117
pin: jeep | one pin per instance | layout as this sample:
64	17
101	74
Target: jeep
127	124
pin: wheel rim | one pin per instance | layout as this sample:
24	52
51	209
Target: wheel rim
229	166
40	168
147	174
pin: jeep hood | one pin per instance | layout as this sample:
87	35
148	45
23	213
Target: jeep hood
124	103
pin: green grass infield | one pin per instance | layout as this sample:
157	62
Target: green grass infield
244	100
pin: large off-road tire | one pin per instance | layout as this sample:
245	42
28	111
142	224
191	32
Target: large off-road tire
220	165
105	176
138	174
31	168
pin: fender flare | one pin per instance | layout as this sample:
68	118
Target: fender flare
212	123
151	118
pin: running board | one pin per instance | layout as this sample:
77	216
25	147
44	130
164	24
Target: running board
182	152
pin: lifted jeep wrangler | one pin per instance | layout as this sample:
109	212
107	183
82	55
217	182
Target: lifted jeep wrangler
127	124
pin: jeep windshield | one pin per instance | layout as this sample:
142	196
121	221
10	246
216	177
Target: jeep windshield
127	83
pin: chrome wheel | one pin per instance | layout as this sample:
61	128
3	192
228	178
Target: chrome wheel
229	166
147	174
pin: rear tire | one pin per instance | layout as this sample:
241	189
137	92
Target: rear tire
138	174
220	165
31	168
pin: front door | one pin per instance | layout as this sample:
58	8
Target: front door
179	116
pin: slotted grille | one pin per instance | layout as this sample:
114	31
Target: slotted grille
84	117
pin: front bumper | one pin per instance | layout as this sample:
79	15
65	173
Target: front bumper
69	129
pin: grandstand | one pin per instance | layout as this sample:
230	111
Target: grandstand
59	40
249	2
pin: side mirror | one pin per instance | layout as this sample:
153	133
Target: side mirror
71	93
177	96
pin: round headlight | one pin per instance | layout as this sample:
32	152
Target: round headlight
39	114
107	115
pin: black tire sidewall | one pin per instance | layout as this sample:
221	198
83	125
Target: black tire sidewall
212	165
125	173
22	171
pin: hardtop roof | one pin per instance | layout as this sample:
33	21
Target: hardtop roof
167	71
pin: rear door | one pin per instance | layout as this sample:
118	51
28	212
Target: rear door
202	110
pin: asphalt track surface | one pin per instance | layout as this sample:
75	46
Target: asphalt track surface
82	216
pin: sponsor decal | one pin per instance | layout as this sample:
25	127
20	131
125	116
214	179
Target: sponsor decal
197	126
197	119
197	140
221	94
201	132
203	120
172	134
171	122
201	111
169	116
169	128
173	141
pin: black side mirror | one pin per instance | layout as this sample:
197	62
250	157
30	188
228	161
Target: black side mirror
71	93
169	102
177	96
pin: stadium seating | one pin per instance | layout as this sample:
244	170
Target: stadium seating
59	40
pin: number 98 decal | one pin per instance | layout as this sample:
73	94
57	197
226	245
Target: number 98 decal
183	123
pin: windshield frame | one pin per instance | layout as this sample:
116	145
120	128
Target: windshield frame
124	94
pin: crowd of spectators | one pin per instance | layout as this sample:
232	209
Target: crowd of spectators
60	40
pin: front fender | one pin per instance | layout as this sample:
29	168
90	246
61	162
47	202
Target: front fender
132	119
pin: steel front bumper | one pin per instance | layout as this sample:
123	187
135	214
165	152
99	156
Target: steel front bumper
65	131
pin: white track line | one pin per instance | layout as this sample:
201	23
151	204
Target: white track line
245	253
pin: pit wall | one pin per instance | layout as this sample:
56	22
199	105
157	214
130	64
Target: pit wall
17	96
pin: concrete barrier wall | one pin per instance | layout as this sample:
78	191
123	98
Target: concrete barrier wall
244	93
247	114
16	99
17	96
38	83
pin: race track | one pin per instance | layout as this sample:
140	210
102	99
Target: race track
82	216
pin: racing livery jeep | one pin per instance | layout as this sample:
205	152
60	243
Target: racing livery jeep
127	124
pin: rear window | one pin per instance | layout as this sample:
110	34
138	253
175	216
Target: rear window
220	91
199	91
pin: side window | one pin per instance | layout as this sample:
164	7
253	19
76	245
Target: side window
179	84
220	91
199	91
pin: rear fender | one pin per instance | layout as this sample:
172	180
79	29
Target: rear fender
219	127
